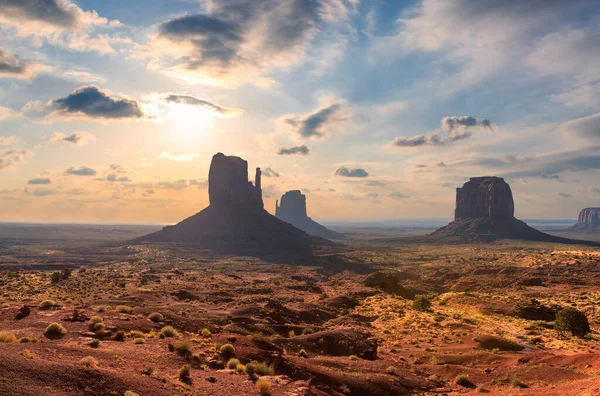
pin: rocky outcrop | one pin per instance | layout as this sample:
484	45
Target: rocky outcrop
228	183
484	197
293	211
588	221
235	222
485	212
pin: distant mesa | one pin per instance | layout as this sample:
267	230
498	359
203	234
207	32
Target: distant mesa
588	221
293	211
485	212
236	222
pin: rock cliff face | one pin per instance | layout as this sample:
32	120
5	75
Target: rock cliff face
588	221
235	222
484	197
293	211
228	183
485	212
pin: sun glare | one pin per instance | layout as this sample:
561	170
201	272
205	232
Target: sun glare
190	122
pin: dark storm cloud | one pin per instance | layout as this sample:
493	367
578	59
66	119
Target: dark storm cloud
193	101
351	172
452	123
268	172
11	65
314	124
94	103
60	13
299	150
81	171
40	181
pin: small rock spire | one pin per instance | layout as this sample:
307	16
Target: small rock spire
257	182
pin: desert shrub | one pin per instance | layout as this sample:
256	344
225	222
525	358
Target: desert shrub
260	368
307	330
572	320
124	309
96	319
98	327
183	348
462	380
185	371
168	331
95	343
130	393
262	338
120	335
156	317
89	361
6	337
27	354
499	344
66	273
227	350
391	370
303	353
139	341
421	304
517	383
205	333
291	333
55	329
232	363
264	387
47	304
55	277
241	368
24	340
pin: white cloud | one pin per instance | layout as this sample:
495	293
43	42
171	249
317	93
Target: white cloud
179	157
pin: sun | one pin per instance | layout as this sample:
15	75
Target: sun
190	123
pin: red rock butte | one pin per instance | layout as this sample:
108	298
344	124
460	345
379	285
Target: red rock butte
236	222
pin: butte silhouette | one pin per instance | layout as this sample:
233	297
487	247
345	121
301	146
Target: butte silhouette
485	212
588	221
236	222
293	211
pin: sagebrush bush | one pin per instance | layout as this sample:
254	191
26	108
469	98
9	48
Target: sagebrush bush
573	321
260	368
47	304
6	337
185	371
156	317
227	350
462	380
205	333
421	304
139	341
232	363
183	348
89	361
264	387
124	309
55	329
168	331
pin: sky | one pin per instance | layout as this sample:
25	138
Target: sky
111	110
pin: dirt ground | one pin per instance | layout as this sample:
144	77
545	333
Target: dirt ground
353	323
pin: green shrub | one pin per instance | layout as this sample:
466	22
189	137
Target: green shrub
139	341
421	304
573	321
156	317
6	337
55	330
168	331
462	380
96	319
205	333
185	371
182	348
48	304
232	363
227	350
124	309
264	387
89	361
260	368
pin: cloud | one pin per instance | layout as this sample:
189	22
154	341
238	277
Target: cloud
81	171
268	172
565	195
13	157
238	41
59	22
81	75
12	66
350	197
375	183
587	128
584	96
119	179
43	192
172	185
398	196
179	157
299	150
88	102
200	183
453	128
351	172
194	101
7	140
316	123
6	113
77	138
40	181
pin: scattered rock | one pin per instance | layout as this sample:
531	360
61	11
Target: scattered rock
389	282
24	311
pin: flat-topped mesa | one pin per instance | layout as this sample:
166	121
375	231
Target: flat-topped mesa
590	216
228	183
293	210
293	206
484	197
